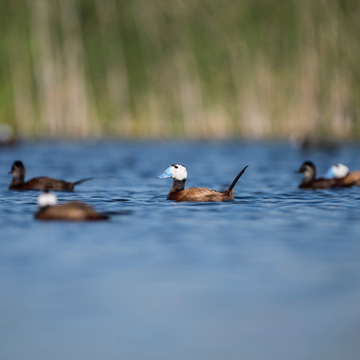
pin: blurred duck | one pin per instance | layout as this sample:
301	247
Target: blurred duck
308	143
71	211
40	183
179	193
7	136
342	173
310	182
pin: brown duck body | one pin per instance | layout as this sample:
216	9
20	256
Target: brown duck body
39	183
71	211
200	195
44	183
320	184
351	179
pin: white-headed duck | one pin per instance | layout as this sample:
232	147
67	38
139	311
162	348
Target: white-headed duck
70	211
39	183
179	193
342	173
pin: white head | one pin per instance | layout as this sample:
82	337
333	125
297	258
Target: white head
47	199
337	171
175	171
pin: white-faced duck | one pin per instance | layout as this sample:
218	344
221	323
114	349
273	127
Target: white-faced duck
310	182
179	193
342	173
39	183
69	211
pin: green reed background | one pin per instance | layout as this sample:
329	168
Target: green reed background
185	68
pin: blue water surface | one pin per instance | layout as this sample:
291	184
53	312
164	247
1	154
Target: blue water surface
274	274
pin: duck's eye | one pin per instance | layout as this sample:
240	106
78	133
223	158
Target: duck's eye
175	166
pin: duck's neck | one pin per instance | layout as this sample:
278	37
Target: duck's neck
309	175
18	179
178	185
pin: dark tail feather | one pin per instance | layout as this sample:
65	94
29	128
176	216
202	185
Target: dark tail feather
236	179
81	181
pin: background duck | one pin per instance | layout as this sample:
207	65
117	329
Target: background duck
179	193
7	136
342	173
71	211
310	182
39	183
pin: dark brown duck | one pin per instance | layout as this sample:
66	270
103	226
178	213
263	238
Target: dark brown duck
69	211
310	182
39	183
179	193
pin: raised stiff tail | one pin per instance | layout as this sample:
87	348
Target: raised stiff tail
81	181
236	179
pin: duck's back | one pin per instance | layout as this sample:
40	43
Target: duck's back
319	184
74	211
44	183
351	179
200	195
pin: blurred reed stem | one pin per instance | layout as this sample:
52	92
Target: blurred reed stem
195	69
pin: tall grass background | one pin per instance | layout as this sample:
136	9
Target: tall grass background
183	68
